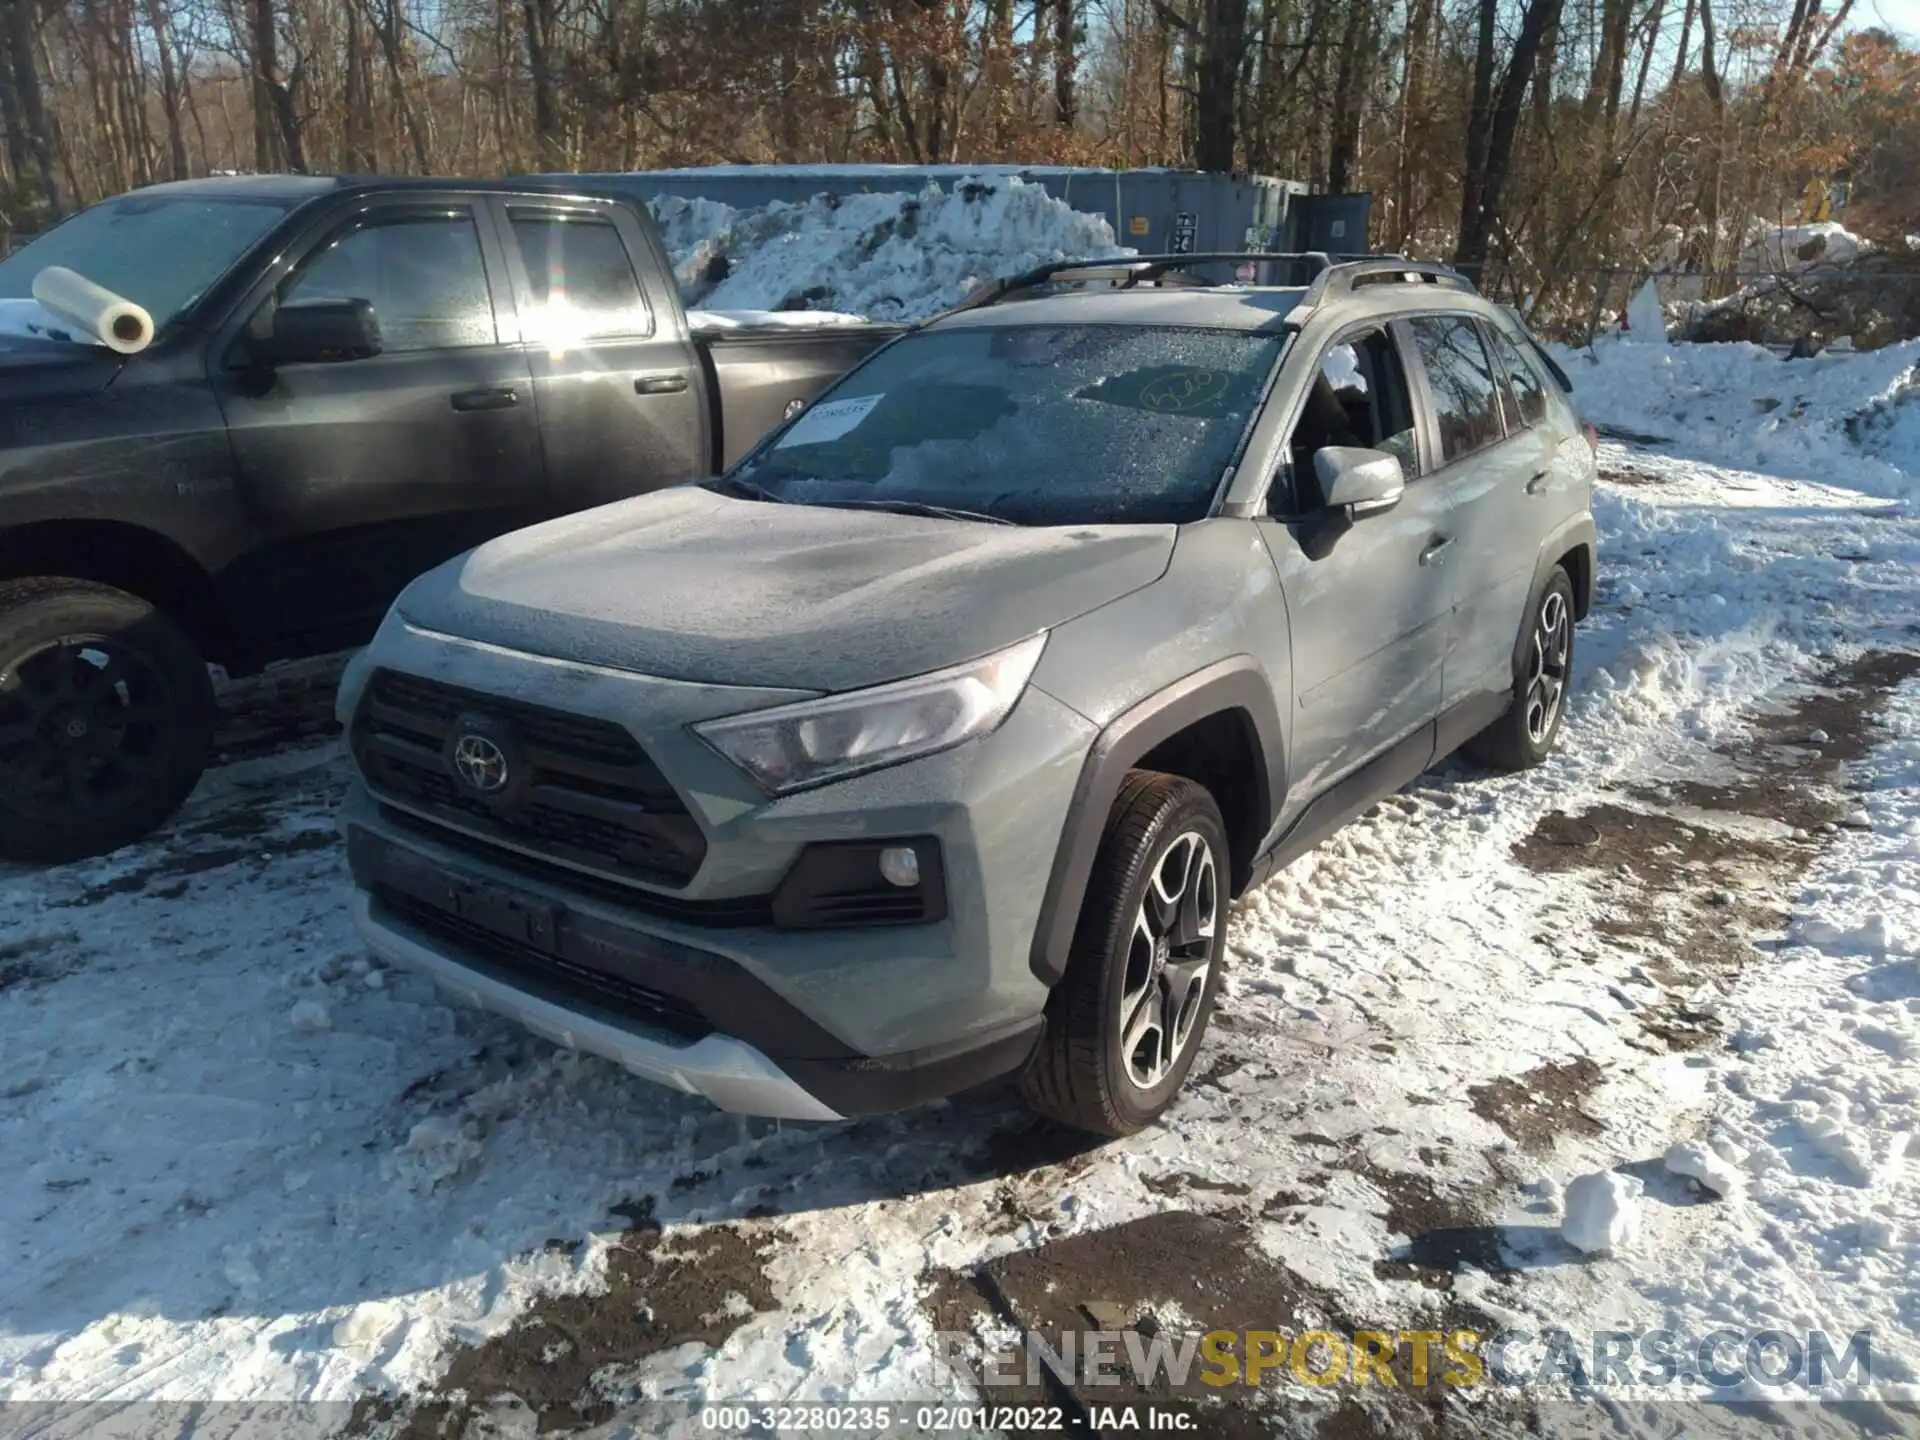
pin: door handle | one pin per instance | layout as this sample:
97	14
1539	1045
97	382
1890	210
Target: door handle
660	385
502	397
1434	548
1538	483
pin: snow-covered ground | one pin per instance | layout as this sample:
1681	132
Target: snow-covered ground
245	1162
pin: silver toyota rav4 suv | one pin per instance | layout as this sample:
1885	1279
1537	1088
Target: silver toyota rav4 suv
933	742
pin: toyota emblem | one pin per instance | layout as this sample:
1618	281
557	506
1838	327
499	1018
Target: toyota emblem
480	763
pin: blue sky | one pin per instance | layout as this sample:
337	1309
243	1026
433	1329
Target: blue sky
1901	16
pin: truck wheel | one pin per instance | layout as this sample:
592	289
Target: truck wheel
1542	672
1124	1024
106	715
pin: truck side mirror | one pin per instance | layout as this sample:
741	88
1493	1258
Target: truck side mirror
309	331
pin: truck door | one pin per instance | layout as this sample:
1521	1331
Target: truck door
359	474
617	381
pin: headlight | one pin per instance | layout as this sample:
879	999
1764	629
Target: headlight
794	746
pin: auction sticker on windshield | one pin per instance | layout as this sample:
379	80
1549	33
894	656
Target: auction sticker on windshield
829	421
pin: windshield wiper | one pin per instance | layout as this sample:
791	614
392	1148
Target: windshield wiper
746	489
917	507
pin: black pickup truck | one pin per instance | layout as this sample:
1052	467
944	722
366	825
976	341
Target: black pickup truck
349	380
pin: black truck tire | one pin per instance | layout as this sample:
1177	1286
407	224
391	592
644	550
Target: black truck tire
1151	937
106	718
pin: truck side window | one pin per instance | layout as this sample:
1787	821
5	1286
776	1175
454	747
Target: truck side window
1358	397
583	283
422	273
1466	397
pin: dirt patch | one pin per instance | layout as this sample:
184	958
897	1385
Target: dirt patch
560	1360
38	961
1655	848
1159	1283
184	866
1695	874
1543	1104
1182	1182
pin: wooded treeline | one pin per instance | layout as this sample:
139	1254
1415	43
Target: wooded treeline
1546	137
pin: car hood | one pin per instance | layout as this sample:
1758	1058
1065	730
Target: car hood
691	585
37	346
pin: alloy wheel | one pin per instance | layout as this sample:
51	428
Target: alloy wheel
1169	956
1547	666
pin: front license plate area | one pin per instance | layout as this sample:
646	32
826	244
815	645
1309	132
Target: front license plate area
520	919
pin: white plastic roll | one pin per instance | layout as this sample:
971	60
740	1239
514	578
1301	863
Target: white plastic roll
117	323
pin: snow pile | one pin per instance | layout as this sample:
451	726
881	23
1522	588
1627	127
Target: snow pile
1841	417
1603	1212
706	322
1764	246
887	257
1707	1168
1790	249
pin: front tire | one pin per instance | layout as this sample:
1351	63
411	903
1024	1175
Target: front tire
1124	1024
1542	677
106	717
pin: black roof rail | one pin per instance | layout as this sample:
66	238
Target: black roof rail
1344	278
1123	272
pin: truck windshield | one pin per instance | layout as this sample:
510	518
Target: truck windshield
159	251
1029	424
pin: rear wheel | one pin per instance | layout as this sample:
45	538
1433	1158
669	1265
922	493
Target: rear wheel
1124	1024
106	716
1542	674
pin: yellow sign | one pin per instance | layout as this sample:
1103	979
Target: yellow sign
1137	225
1816	201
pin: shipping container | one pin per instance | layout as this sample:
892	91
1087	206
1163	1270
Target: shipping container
1153	211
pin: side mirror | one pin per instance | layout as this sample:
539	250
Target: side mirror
306	331
1359	481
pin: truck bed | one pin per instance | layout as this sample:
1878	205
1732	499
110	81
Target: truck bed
753	372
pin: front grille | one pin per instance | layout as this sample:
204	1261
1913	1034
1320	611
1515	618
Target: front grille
593	796
733	912
550	971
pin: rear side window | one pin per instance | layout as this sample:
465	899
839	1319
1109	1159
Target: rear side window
1466	397
1528	393
583	283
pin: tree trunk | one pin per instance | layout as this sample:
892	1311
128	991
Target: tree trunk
1223	35
1066	99
1356	61
1488	161
22	53
1717	141
389	29
1413	78
1473	178
546	106
171	99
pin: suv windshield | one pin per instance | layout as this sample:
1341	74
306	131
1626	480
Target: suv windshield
1036	425
159	251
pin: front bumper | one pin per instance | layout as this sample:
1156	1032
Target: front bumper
995	806
572	967
729	1072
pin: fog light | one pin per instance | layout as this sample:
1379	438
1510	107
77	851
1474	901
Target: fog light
900	865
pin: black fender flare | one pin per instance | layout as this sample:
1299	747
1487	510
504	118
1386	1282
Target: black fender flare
1236	683
1576	534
